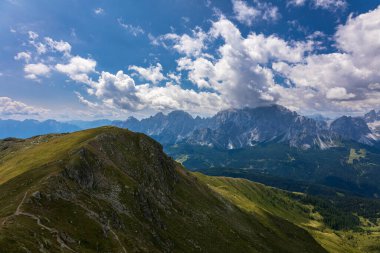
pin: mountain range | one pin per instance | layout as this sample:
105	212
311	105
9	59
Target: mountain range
28	128
240	128
228	129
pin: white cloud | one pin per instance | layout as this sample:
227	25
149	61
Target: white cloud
360	37
86	102
48	45
33	71
331	5
134	30
9	107
152	74
339	93
177	77
191	45
344	81
248	14
174	97
40	47
200	71
121	91
60	46
296	2
98	11
32	35
78	68
26	56
244	13
118	90
241	74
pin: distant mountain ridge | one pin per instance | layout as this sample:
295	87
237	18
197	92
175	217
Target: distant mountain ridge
228	129
167	129
239	128
28	128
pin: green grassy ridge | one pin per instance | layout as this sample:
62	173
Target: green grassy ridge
109	189
39	151
261	200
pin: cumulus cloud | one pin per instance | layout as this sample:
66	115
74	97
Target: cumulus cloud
344	80
241	73
174	97
176	78
121	91
244	13
10	107
60	46
360	37
191	45
152	74
247	14
26	56
78	68
339	93
117	89
34	71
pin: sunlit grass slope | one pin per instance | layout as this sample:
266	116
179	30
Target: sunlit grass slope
261	200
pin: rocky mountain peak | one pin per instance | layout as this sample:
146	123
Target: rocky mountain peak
372	116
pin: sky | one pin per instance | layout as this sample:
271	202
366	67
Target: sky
93	59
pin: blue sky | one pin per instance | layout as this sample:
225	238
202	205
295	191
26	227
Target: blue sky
112	59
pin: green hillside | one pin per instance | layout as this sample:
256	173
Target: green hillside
111	190
262	200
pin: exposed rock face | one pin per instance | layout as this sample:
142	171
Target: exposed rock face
373	121
167	129
350	128
233	129
372	116
239	128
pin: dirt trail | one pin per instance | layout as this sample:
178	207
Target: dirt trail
17	212
38	220
117	238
